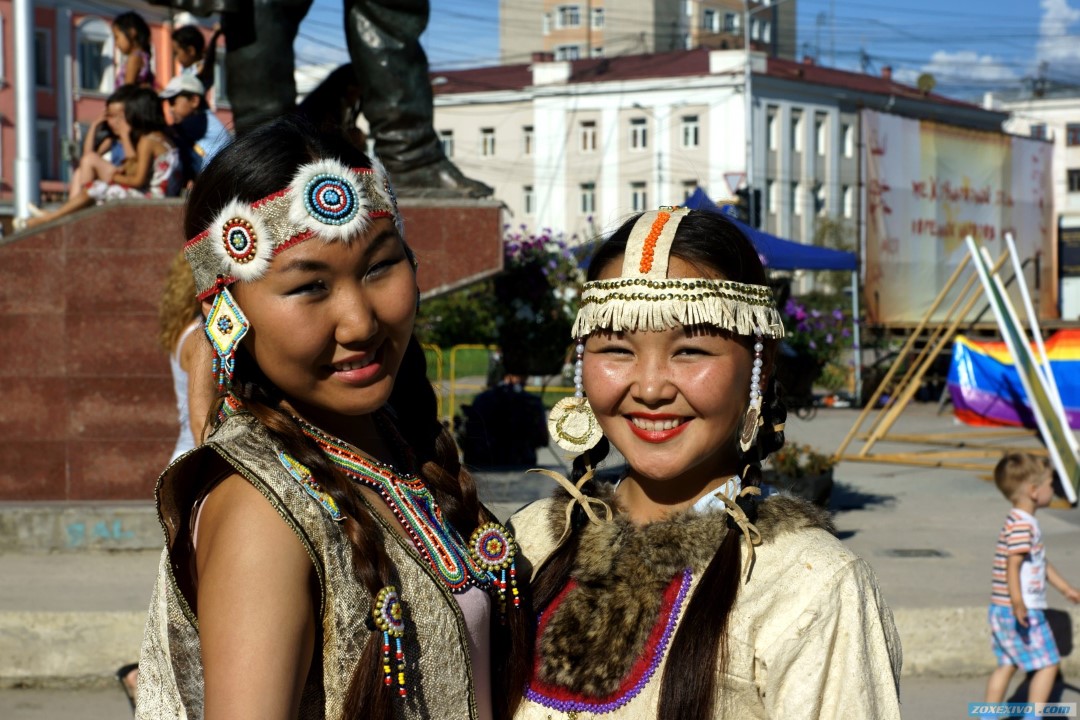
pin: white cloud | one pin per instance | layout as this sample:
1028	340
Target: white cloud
1057	43
965	67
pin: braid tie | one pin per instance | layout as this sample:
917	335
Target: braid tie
742	511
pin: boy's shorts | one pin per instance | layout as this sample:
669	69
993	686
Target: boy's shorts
1029	648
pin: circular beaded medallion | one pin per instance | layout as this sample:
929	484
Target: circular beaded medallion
330	199
240	240
573	425
387	612
492	547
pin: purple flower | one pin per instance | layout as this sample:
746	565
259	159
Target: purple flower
845	333
801	327
838	314
815	313
829	339
813	345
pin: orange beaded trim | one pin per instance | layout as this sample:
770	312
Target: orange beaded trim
650	241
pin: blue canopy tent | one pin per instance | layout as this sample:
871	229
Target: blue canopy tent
780	254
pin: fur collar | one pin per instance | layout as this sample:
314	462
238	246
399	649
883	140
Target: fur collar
601	626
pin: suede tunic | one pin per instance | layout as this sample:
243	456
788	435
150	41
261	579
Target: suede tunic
438	672
809	635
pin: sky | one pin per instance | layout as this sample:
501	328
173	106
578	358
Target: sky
970	46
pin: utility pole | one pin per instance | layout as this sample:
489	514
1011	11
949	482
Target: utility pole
27	187
749	97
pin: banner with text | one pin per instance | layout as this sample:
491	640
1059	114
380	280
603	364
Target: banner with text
927	186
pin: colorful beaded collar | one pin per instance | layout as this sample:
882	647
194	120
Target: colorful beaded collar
325	199
644	298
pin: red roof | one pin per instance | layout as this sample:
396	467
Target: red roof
858	82
680	63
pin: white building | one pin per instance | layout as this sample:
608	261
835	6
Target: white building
565	141
1055	117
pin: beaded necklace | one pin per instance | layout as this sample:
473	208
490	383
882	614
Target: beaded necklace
415	508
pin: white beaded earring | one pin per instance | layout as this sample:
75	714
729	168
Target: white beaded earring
571	422
752	421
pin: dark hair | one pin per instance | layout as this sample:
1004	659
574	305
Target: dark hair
698	652
257	164
132	25
122	94
142	110
190	37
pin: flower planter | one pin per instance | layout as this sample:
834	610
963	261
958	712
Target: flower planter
815	488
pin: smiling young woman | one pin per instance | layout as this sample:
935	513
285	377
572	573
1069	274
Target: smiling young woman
676	593
326	555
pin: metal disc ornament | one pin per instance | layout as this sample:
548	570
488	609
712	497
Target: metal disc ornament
573	425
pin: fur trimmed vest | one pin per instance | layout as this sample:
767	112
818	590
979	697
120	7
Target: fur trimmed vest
602	642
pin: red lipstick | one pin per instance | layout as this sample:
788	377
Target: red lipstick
657	436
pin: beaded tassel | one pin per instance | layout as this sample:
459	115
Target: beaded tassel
752	420
389	618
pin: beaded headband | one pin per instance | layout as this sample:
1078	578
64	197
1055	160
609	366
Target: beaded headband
644	298
325	199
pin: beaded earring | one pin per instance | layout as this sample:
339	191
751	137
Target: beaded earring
493	548
389	618
571	422
752	421
225	326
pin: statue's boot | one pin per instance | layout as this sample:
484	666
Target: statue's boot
259	60
384	43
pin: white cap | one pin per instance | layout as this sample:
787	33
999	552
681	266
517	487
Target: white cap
183	83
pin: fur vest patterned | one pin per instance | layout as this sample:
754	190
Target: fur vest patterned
809	634
439	676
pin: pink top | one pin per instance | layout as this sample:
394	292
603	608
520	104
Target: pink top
476	607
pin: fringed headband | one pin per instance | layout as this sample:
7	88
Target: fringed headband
325	199
644	298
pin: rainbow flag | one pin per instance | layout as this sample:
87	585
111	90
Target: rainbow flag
986	389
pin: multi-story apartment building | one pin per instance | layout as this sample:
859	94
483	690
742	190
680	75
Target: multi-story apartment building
74	69
577	145
577	29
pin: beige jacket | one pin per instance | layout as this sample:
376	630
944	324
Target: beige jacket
809	635
439	675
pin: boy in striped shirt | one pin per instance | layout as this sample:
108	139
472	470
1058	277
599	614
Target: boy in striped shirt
1021	635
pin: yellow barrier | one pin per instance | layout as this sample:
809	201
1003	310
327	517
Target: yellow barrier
451	386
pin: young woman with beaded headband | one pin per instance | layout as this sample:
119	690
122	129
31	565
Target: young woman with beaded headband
326	555
677	593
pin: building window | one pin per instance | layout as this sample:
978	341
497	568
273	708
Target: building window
1072	134
567	52
710	21
639	199
688	188
819	199
546	23
528	199
772	129
772	196
691	131
526	139
848	133
755	29
598	18
1038	131
597	51
796	132
44	134
94	52
42	66
688	8
821	126
796	200
639	134
567	16
849	201
588	198
446	137
1074	181
766	31
588	136
731	22
487	141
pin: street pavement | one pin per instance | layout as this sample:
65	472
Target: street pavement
69	618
